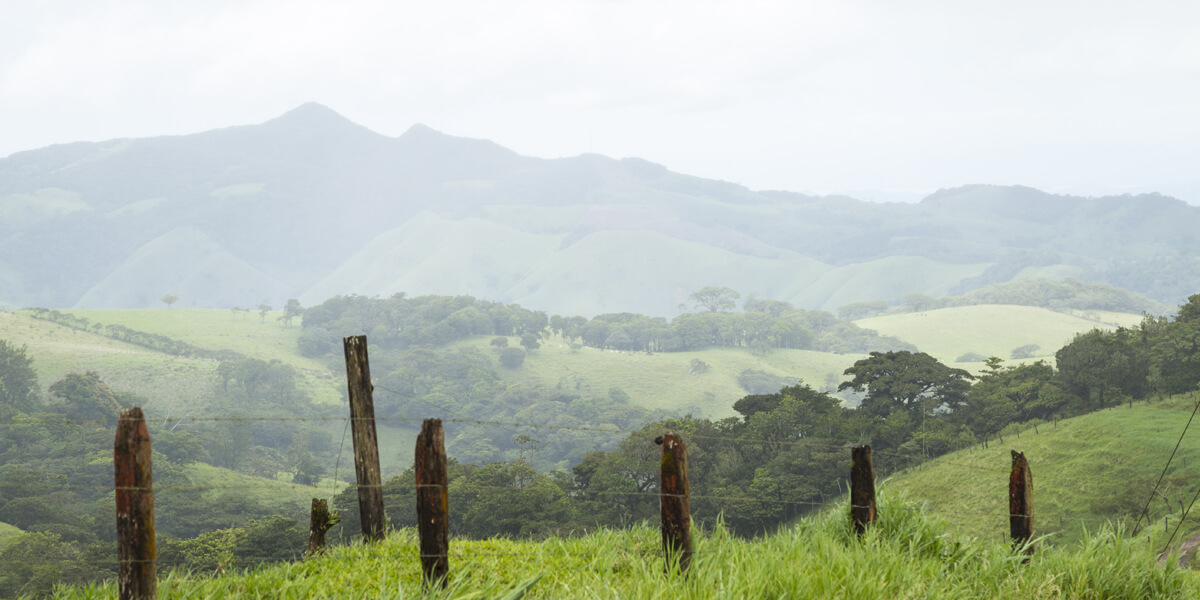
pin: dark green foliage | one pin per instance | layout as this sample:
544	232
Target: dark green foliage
512	358
18	381
1026	351
761	382
85	396
906	381
971	357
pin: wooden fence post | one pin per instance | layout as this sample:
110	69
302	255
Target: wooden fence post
320	521
1020	502
433	512
134	475
366	446
862	488
674	503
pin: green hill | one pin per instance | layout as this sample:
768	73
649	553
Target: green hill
311	204
662	380
992	330
1086	470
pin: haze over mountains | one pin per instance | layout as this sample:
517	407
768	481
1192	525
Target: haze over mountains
310	205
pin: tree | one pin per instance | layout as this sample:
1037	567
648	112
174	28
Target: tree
18	381
1026	351
170	299
264	307
511	358
903	381
291	310
530	341
715	299
86	396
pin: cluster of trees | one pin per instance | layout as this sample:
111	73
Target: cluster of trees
433	321
401	322
1160	356
56	484
787	450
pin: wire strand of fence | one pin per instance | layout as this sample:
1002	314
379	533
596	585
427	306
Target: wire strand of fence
1168	465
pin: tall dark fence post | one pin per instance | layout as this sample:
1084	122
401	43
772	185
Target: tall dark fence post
862	488
366	447
1020	501
433	512
136	556
320	521
676	512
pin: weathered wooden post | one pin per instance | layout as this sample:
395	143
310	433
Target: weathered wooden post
319	522
674	503
366	447
862	488
1020	502
133	472
433	511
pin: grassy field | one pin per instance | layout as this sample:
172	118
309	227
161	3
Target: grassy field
992	330
264	339
265	491
904	557
661	380
1084	469
169	383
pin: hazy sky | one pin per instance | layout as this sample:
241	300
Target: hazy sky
1072	97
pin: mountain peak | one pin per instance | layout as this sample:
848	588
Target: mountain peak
312	115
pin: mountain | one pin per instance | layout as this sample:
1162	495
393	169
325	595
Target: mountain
310	204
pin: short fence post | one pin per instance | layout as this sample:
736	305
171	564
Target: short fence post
134	475
862	488
433	513
366	446
1020	502
319	522
674	503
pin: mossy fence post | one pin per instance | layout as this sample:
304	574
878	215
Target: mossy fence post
676	511
433	512
366	446
320	521
862	488
1020	503
134	479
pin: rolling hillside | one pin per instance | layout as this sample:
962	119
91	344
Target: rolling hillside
992	330
1087	470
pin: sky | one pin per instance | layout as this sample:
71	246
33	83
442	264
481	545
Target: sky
883	100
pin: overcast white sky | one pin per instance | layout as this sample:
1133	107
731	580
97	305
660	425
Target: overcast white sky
906	97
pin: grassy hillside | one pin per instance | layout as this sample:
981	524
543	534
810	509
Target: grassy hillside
1086	471
992	330
166	381
661	380
904	557
246	332
267	492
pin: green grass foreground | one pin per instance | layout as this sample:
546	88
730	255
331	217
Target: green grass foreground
905	556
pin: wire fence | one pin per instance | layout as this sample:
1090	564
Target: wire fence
992	512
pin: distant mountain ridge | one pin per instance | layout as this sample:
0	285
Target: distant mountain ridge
310	204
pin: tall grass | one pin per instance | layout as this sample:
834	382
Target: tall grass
905	555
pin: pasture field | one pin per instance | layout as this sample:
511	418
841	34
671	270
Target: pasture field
1087	471
661	379
992	330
